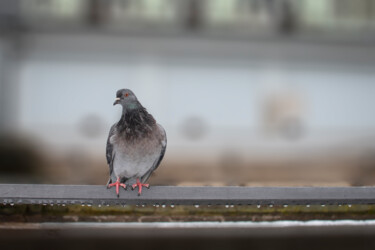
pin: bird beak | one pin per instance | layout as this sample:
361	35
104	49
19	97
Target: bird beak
117	101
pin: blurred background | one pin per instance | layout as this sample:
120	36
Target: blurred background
250	92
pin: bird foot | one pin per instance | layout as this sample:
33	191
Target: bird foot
117	184
140	185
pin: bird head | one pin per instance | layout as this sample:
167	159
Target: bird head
126	98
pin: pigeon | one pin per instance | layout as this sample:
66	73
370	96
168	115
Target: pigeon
136	144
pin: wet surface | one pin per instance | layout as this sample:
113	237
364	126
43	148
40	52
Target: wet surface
187	227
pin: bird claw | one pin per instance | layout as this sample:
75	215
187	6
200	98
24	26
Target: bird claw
140	185
117	184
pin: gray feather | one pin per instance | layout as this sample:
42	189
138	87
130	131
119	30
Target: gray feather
109	151
157	162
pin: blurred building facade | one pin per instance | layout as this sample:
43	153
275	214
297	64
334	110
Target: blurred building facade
256	92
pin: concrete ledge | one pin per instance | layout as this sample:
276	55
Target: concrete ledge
175	195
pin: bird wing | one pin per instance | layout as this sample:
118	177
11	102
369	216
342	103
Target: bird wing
158	160
109	150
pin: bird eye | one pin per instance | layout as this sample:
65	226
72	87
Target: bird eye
126	94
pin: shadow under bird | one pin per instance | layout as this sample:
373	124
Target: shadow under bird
136	144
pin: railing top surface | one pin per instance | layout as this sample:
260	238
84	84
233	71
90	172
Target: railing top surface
95	195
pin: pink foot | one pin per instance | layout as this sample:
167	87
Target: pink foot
117	184
140	185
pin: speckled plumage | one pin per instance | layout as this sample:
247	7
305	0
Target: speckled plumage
136	143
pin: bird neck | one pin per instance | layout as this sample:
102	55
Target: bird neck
131	106
136	123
